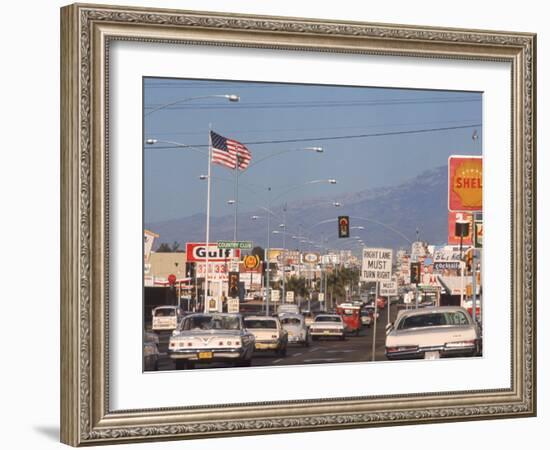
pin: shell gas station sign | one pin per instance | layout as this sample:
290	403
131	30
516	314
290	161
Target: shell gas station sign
465	183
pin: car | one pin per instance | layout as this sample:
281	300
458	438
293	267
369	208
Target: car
150	351
366	318
212	337
268	332
296	327
166	318
370	311
327	325
431	333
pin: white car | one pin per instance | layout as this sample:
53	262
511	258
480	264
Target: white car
295	326
215	337
431	333
327	325
166	318
268	333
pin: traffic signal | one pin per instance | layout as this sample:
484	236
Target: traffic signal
233	284
343	226
415	273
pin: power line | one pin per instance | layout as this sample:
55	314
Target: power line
318	104
272	130
333	138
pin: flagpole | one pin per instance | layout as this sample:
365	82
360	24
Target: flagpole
207	271
236	194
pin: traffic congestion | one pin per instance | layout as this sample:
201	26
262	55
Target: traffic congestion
281	251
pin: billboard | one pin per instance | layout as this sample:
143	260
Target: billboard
196	252
465	183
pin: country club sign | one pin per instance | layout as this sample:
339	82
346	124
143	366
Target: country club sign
465	183
196	252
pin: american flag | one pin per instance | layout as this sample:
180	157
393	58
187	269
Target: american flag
227	152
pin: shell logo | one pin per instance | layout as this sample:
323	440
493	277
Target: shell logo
465	183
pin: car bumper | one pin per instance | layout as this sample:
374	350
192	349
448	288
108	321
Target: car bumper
444	352
296	339
269	345
207	354
326	333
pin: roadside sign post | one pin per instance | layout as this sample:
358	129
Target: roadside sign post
376	266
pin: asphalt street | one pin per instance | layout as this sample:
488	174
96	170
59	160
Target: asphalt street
324	351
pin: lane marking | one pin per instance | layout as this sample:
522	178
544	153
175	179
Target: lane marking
322	360
277	361
297	354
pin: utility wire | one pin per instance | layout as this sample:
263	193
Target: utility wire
333	138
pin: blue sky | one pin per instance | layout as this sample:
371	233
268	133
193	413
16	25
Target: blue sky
371	137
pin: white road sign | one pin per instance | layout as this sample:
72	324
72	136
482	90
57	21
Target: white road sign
377	264
321	297
290	296
275	295
232	305
388	288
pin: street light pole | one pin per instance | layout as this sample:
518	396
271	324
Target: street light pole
206	281
268	287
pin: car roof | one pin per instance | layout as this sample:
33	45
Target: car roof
436	309
289	314
327	315
261	318
213	314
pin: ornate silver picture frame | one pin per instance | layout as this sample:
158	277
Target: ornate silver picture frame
87	34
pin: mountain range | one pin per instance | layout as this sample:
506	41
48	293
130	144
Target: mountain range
391	217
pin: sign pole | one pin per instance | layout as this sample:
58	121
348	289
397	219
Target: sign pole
209	181
375	322
474	276
389	307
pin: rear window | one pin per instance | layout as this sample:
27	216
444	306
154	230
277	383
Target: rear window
165	312
434	320
291	321
327	319
260	323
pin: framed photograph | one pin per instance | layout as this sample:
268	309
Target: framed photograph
278	224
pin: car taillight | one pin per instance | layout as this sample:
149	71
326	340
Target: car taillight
274	336
172	344
189	344
401	349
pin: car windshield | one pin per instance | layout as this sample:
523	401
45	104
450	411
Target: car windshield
433	320
327	319
165	312
291	321
213	322
261	323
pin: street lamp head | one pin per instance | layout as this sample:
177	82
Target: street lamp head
232	97
336	204
254	217
230	202
151	141
315	149
203	177
281	225
332	181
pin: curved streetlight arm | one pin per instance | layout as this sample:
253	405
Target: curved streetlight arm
306	149
152	141
230	97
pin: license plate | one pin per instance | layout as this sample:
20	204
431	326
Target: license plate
431	355
326	332
205	355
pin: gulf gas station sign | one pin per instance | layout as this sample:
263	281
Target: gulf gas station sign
465	183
